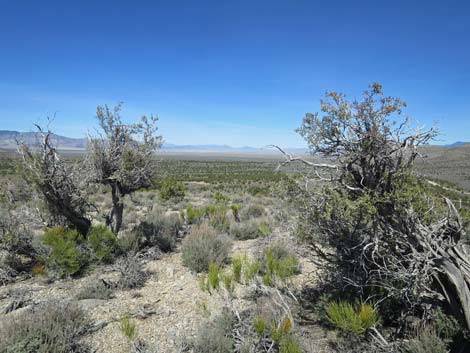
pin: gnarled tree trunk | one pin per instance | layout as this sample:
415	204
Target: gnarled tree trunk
114	220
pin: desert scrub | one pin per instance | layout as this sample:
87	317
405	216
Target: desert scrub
252	211
204	246
8	265
217	279
132	274
67	251
276	330
278	263
251	229
352	318
216	336
427	341
289	344
235	211
194	214
159	229
218	217
48	327
128	242
245	269
95	290
102	242
237	266
172	189
221	199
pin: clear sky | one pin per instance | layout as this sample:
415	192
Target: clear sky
230	72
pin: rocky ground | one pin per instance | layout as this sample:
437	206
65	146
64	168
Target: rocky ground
169	310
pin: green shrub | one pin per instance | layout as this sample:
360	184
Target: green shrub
102	242
204	246
252	211
193	214
159	230
235	211
48	327
68	253
352	318
172	189
95	290
220	198
216	337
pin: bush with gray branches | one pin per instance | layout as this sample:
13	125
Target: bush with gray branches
377	227
56	181
121	157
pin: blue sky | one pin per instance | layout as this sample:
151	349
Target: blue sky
230	72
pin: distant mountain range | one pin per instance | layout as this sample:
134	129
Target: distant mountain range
8	142
457	144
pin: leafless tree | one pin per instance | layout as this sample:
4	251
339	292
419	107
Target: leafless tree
121	156
56	181
360	218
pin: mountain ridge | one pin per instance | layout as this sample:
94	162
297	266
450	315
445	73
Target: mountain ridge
8	140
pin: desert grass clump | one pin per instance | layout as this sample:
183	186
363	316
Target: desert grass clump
274	332
289	344
251	269
216	279
278	263
48	327
352	318
204	246
218	217
237	266
128	327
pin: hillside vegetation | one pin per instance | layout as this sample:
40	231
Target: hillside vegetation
361	247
